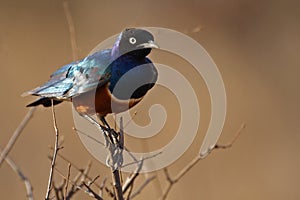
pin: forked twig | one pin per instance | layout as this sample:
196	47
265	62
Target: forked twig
130	180
92	192
89	191
81	176
81	171
102	186
59	190
230	143
140	189
196	159
18	171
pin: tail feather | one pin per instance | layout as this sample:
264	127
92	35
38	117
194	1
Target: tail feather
55	88
52	89
46	102
57	85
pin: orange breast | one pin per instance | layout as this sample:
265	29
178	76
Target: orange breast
102	102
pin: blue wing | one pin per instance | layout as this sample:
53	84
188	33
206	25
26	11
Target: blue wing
77	77
90	73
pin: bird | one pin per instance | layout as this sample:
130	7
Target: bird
90	83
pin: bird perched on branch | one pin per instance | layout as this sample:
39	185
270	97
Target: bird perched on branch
108	81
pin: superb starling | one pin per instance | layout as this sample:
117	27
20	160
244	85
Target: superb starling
89	83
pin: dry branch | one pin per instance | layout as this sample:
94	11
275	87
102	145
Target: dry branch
56	149
140	189
18	171
130	180
89	191
16	134
196	159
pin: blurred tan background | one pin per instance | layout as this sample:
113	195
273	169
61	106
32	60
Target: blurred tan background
256	46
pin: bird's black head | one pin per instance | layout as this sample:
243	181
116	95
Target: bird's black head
135	42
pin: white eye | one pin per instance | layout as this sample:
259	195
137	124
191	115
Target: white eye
132	40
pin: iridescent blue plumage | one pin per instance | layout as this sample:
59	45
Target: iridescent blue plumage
103	69
77	77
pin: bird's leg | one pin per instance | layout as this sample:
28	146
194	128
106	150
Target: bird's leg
104	129
92	121
103	120
107	132
110	130
115	159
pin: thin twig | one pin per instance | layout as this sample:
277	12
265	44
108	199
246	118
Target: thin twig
16	134
93	181
81	171
86	171
172	181
74	189
92	193
111	193
156	185
71	29
59	190
129	192
102	186
89	191
140	189
192	163
18	171
102	128
131	119
230	143
88	136
95	195
130	180
81	176
68	178
56	148
136	161
186	169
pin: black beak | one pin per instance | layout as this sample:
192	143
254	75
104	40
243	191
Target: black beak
150	44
